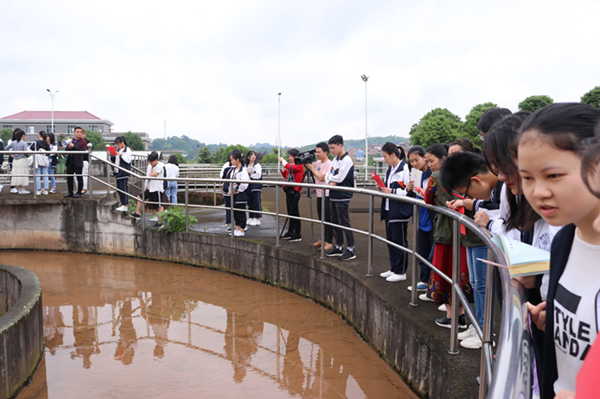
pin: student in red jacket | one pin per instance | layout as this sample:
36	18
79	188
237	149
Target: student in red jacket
292	173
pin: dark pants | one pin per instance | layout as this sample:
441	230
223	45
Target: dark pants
254	204
328	229
340	215
240	217
122	186
292	199
71	170
227	209
396	232
425	245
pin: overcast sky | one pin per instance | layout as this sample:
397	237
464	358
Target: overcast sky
212	70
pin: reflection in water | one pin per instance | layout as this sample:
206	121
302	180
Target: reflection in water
129	328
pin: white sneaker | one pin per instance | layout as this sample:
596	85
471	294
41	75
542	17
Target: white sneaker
387	274
14	190
396	277
122	208
1	187
44	192
470	332
257	222
425	298
442	307
238	233
38	192
471	343
250	222
52	191
154	219
23	191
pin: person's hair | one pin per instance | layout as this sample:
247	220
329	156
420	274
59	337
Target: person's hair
249	154
465	144
500	152
589	163
564	126
324	146
153	156
457	170
78	127
121	139
228	158
237	155
337	139
52	138
173	159
392	148
419	150
16	134
489	117
293	152
43	135
438	150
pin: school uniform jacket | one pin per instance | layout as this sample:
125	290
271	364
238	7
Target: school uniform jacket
341	173
397	179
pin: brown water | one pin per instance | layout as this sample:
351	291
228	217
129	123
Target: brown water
128	328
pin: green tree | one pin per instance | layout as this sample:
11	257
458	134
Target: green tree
437	126
6	135
270	157
469	128
221	155
204	155
134	141
96	139
533	103
592	97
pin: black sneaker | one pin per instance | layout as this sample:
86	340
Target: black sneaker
334	252
134	216
287	236
446	322
348	255
295	238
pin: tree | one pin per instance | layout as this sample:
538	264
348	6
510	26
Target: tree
221	155
533	103
592	97
6	135
98	142
437	126
270	157
204	155
134	141
469	128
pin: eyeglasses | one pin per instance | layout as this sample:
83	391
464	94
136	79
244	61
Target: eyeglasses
469	184
481	136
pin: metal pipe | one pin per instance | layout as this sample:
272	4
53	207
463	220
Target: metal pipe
370	238
90	181
323	223
455	280
277	221
187	208
415	242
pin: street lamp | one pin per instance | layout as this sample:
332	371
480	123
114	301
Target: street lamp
52	94
278	129
365	78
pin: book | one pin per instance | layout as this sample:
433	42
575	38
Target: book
111	149
522	259
378	180
416	176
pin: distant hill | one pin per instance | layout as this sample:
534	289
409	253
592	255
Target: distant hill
361	143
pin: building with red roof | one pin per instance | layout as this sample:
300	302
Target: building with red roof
64	122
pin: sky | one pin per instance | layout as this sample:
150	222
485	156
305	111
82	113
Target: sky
213	70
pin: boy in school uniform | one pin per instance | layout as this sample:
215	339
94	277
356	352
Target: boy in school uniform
341	174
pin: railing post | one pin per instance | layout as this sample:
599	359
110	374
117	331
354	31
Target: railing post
370	239
322	223
277	244
90	181
232	205
488	317
414	263
187	208
455	280
107	166
34	176
214	193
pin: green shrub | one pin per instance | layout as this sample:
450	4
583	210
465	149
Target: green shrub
174	220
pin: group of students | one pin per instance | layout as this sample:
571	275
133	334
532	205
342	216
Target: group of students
45	164
535	180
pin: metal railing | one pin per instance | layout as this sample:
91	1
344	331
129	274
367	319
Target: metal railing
505	377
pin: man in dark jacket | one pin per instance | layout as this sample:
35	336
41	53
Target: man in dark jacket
75	162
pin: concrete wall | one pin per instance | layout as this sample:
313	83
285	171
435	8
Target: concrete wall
88	226
21	327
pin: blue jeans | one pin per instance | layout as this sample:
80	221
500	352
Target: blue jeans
477	278
172	191
41	170
52	171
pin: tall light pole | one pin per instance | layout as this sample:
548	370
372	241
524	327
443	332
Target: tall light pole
365	78
52	94
278	129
